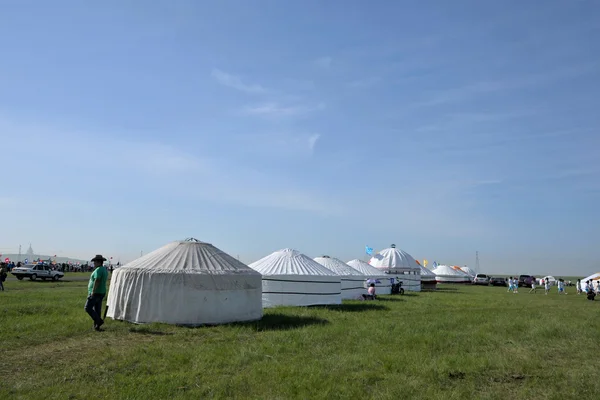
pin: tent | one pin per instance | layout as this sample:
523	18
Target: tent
469	271
352	281
401	265
385	282
553	281
428	279
289	278
450	274
595	278
188	283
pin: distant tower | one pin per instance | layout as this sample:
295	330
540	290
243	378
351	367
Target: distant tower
19	258
477	262
30	255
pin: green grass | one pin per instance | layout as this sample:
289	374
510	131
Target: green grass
460	342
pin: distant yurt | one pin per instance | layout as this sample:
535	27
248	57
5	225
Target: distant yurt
400	265
469	271
428	279
450	274
352	280
289	278
550	278
187	282
383	282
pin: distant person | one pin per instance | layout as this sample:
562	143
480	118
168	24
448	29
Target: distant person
371	293
510	284
532	286
3	275
561	287
97	291
578	284
547	285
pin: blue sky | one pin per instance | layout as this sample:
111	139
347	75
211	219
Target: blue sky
443	127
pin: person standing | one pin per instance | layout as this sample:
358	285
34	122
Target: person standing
578	286
97	291
547	286
532	286
3	275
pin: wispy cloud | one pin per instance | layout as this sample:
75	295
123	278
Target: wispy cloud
312	141
323	62
236	82
276	110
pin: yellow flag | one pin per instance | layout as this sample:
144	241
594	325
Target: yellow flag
425	263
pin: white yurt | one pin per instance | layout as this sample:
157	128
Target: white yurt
468	271
550	278
450	274
428	279
595	281
383	282
400	265
289	278
187	282
353	286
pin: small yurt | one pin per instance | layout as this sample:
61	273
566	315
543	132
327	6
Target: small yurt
187	282
400	265
428	279
469	272
551	279
448	274
383	283
289	278
353	286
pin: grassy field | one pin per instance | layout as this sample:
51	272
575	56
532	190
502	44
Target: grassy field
460	342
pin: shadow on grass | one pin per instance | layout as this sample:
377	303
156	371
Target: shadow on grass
282	322
353	307
390	298
146	330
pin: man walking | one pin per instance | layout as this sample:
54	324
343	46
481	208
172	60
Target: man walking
96	291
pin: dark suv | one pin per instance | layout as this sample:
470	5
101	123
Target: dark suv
525	280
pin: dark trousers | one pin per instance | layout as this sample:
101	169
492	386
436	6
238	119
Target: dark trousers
93	306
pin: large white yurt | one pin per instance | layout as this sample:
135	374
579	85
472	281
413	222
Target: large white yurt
352	281
450	274
186	282
468	271
400	265
428	279
383	282
595	282
289	278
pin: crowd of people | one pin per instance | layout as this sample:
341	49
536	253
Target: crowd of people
586	287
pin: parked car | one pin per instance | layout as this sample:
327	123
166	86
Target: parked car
525	280
481	279
34	271
498	282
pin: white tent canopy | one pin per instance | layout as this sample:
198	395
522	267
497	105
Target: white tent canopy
385	282
450	274
352	280
595	278
289	278
468	271
185	282
549	278
399	264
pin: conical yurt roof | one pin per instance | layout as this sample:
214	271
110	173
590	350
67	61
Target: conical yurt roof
364	268
189	256
468	271
593	277
449	271
393	258
289	262
337	266
425	272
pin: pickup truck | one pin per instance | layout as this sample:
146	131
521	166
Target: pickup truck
34	271
525	280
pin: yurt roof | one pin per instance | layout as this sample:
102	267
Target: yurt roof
189	256
426	271
393	258
289	262
364	267
337	266
449	270
593	277
468	271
